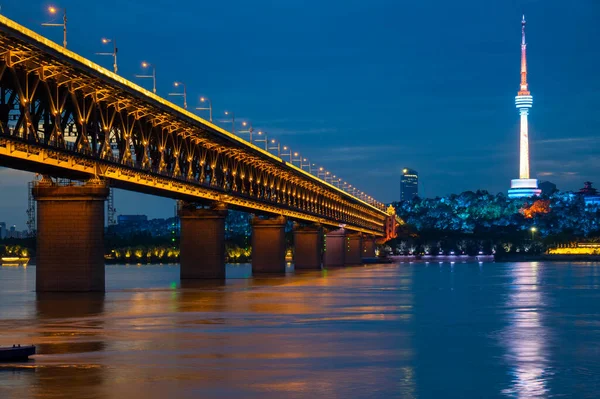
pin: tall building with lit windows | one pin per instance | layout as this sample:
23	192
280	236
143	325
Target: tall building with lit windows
409	184
523	186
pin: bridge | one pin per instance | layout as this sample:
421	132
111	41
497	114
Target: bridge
63	116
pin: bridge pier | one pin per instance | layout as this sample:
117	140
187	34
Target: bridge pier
268	245
368	247
70	236
335	248
354	249
308	241
202	242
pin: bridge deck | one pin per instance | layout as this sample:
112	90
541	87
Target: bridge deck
65	115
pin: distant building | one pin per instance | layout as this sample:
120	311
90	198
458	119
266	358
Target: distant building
409	184
131	219
548	188
590	194
2	230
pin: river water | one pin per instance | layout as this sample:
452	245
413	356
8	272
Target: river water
410	330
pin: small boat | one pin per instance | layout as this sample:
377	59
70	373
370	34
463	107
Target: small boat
16	353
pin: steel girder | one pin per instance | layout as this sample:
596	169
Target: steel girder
59	115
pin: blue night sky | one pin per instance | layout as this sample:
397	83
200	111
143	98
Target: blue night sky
363	88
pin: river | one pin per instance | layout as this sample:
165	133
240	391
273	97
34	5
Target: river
409	330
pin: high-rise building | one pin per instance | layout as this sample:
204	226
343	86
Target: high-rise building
523	186
409	184
2	230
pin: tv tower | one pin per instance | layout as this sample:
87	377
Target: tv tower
523	186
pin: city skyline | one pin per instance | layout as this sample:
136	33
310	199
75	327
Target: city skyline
276	86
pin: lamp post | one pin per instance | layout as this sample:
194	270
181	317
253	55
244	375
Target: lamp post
275	147
53	10
289	153
184	94
335	181
209	108
533	230
153	76
303	163
263	140
297	158
232	121
321	172
249	129
113	54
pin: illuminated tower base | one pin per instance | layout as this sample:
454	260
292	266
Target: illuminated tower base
520	188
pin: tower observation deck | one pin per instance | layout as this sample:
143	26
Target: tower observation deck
524	186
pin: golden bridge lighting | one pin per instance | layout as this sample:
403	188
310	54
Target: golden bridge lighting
167	139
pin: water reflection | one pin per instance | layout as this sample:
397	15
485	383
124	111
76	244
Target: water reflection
378	331
69	323
525	338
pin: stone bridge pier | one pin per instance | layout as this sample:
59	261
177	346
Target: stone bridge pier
70	236
268	244
369	247
202	241
335	248
354	249
308	247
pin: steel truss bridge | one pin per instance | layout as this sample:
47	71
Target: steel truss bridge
65	116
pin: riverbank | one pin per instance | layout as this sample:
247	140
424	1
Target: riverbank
442	258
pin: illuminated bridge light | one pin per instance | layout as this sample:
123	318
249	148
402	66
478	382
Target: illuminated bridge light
169	128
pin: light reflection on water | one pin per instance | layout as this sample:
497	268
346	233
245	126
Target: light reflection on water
409	330
525	337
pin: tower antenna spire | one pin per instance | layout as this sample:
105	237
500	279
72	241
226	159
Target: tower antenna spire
524	91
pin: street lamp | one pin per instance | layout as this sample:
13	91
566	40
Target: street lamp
53	10
209	108
275	147
321	172
265	140
533	230
249	129
113	54
232	121
289	153
304	162
153	76
314	165
297	158
184	94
